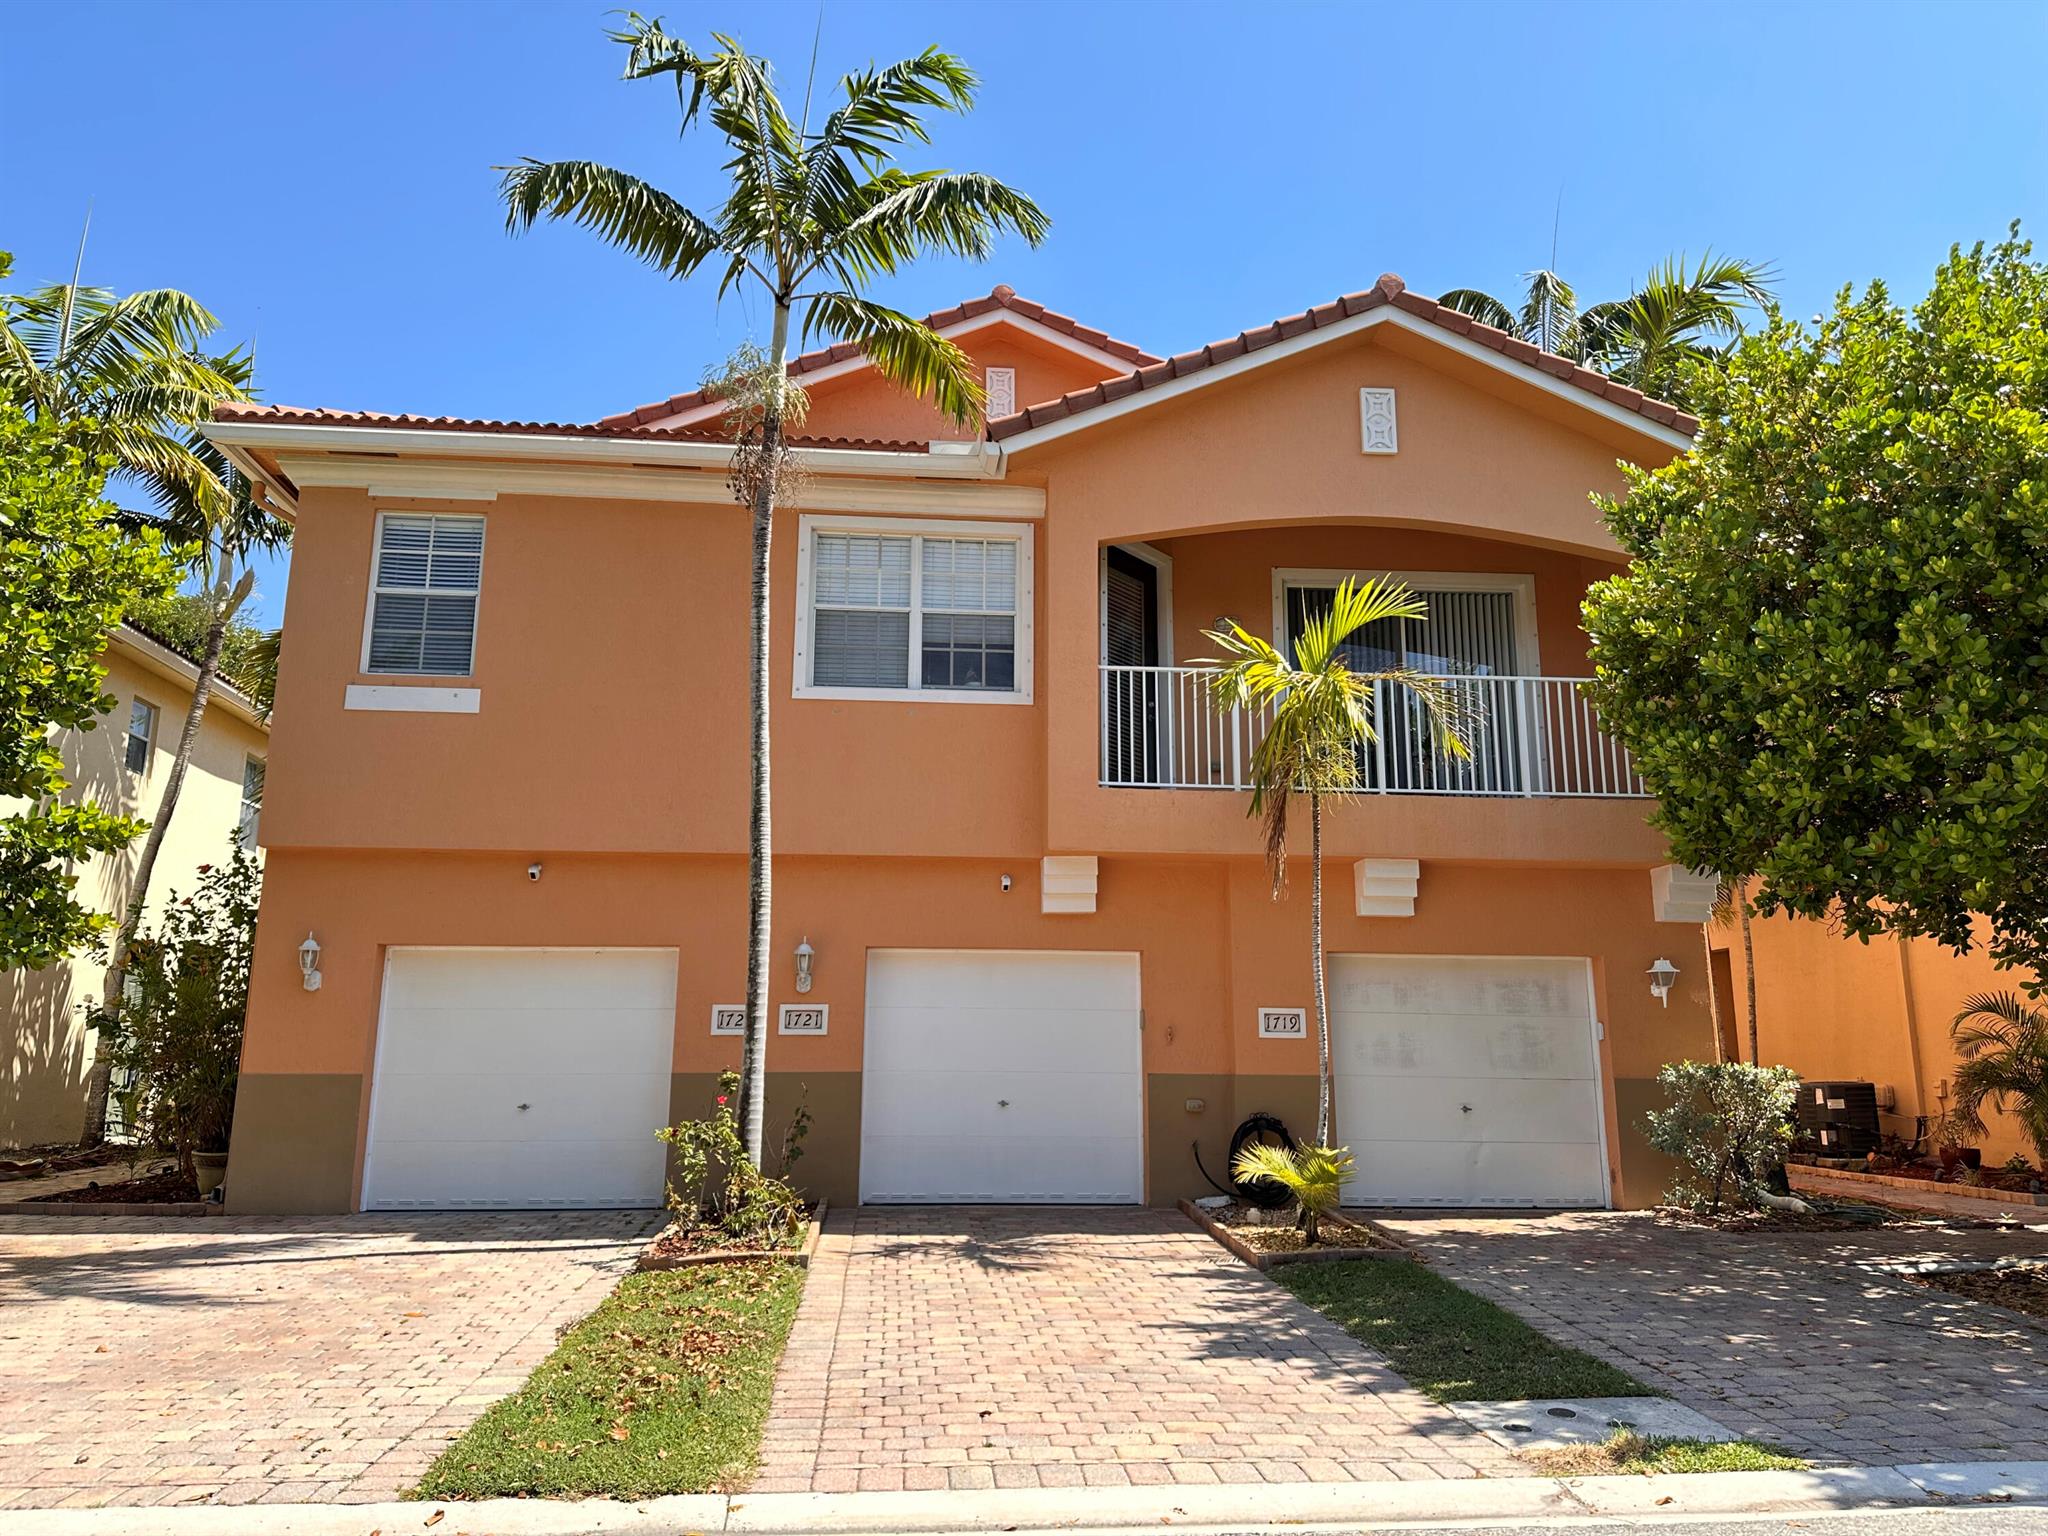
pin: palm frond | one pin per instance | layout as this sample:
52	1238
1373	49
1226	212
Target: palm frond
619	208
899	216
1550	313
1483	307
904	350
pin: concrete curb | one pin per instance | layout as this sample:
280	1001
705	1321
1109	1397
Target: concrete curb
1190	1508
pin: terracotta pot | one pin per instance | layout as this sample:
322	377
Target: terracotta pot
209	1168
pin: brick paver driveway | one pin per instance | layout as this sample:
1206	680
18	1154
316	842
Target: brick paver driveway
1008	1347
1802	1338
236	1360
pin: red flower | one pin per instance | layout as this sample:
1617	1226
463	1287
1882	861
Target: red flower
721	1098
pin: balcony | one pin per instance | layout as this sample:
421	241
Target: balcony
1527	738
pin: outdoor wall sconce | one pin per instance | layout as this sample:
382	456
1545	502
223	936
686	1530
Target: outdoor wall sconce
804	955
309	963
1662	974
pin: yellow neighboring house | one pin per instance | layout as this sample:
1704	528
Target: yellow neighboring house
124	764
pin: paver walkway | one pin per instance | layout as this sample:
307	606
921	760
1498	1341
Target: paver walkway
1022	1347
1803	1338
240	1359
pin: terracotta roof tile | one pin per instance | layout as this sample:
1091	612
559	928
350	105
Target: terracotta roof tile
320	416
1002	296
1388	290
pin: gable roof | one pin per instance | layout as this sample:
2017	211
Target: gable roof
1389	294
323	416
1002	298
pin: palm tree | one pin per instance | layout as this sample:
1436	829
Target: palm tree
134	370
1322	714
1680	316
812	218
1315	1176
2003	1044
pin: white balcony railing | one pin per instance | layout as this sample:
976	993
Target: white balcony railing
1526	736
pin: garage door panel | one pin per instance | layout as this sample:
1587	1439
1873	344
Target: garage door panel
1008	1038
1478	1174
1461	1045
1422	985
1433	1109
1001	1076
583	1039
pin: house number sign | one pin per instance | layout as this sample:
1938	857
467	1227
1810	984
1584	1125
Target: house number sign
1283	1023
803	1019
728	1019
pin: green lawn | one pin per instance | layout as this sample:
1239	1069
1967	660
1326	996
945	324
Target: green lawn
1632	1453
1446	1341
663	1389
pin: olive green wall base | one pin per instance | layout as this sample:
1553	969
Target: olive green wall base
1645	1172
293	1148
1173	1131
830	1165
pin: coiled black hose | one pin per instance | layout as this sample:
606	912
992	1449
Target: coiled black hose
1263	1193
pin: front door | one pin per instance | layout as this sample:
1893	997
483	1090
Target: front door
1133	686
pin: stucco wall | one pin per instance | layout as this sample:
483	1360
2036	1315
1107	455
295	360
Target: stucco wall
42	1096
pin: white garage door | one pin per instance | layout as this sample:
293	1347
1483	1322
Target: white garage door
1001	1076
520	1078
1468	1081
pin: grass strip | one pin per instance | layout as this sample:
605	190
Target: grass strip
1447	1342
663	1389
1628	1452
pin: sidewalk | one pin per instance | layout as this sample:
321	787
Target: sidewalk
1193	1509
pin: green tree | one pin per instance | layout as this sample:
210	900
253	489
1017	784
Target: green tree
248	653
2002	1044
1829	655
1322	714
68	567
1680	316
811	218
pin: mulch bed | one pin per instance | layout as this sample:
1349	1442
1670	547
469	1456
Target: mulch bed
167	1187
1261	1243
678	1246
41	1162
2016	1287
2016	1183
1792	1221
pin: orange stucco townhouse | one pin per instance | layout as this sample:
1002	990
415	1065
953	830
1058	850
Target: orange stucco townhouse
505	819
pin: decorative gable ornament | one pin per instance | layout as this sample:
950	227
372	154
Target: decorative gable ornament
1386	887
1001	389
1376	417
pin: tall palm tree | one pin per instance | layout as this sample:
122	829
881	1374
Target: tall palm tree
1681	315
812	218
134	368
1322	715
2003	1044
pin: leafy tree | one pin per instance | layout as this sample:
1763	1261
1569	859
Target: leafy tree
2003	1046
1829	655
248	654
1728	1124
1679	317
1322	713
812	217
68	567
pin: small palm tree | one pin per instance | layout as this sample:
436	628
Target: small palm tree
1681	315
1315	1176
1322	715
2003	1044
812	218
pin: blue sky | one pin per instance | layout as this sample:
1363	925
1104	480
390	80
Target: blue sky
1206	167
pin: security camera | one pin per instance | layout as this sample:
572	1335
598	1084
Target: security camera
533	870
1006	882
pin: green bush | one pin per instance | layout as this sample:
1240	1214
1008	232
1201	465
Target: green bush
1728	1125
715	1185
180	1028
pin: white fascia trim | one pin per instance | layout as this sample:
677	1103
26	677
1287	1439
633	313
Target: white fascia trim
812	524
167	663
840	370
982	462
1386	314
416	481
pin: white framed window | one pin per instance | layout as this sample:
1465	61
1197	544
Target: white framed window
425	575
252	799
1480	623
895	608
142	718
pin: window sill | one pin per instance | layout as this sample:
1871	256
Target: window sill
413	698
910	695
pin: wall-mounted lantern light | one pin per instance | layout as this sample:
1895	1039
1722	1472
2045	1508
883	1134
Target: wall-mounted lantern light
309	963
1662	975
804	955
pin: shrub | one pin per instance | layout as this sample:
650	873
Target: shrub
1728	1124
715	1185
1313	1175
179	1031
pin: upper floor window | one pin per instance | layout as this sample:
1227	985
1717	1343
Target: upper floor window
142	717
252	799
892	608
423	594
